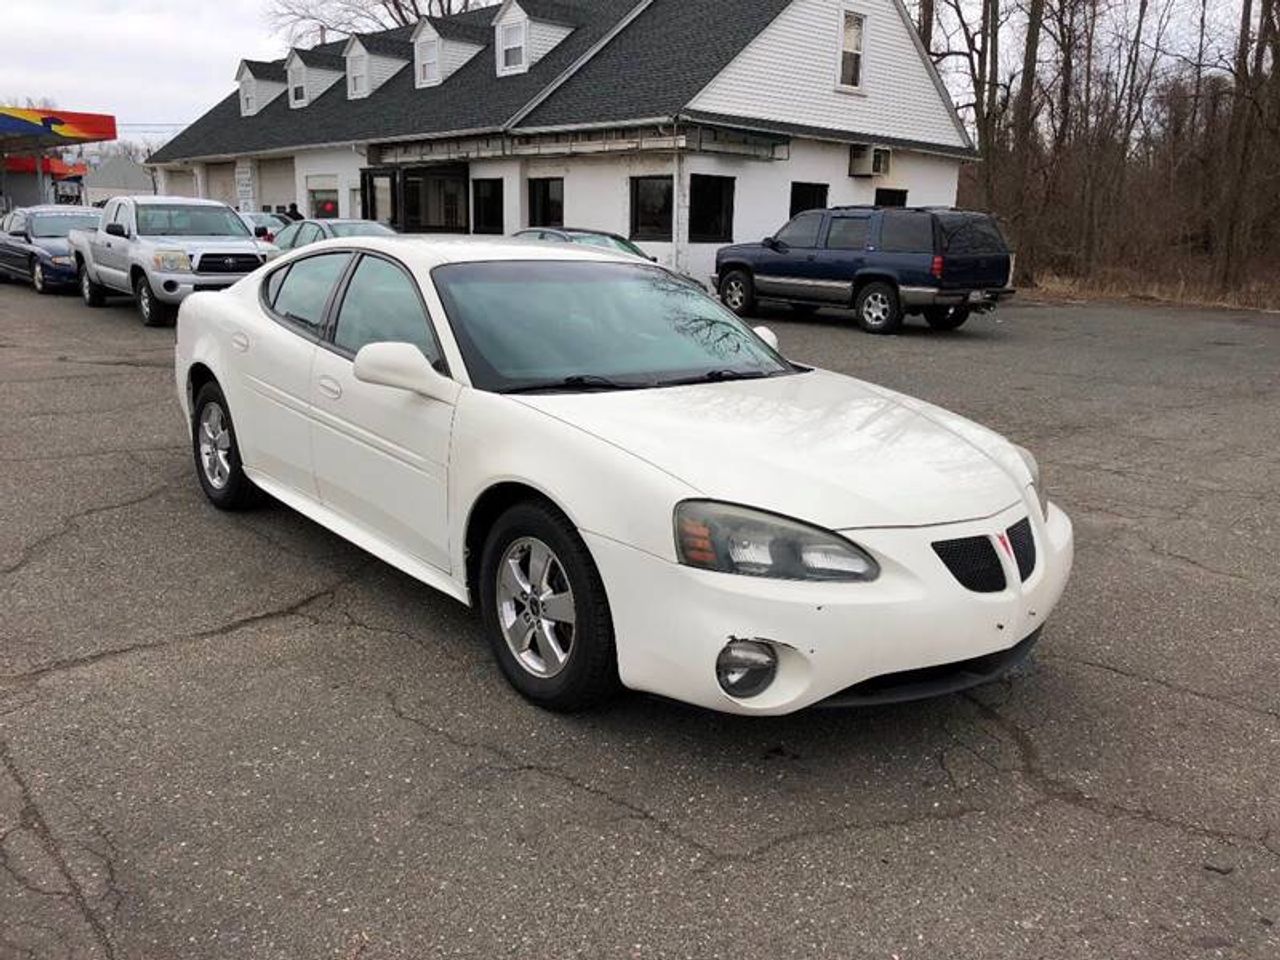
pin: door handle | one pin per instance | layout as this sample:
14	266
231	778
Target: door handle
240	342
329	387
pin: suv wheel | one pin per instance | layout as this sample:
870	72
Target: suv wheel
946	318
545	610
154	313
738	293
878	308
93	294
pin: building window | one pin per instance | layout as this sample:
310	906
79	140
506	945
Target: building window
511	49
358	76
246	101
710	209
324	204
890	198
651	206
297	85
808	196
486	198
428	62
853	29
546	202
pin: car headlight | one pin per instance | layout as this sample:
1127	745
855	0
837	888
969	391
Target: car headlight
1037	479
171	261
62	261
733	539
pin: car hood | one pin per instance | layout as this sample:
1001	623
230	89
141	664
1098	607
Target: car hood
54	246
817	446
193	245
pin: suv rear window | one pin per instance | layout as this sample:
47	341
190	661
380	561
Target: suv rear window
971	233
907	231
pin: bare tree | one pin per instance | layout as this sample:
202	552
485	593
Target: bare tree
310	21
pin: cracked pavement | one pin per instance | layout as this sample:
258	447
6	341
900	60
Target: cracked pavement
238	736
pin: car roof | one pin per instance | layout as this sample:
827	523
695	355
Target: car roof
55	208
147	200
427	252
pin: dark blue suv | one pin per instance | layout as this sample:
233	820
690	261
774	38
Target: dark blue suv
885	263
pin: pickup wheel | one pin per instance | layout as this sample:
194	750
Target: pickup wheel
738	292
946	318
92	293
878	308
154	313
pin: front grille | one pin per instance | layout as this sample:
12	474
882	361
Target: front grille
229	263
1024	547
972	561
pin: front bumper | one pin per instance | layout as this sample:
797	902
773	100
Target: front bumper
176	287
58	274
984	299
671	621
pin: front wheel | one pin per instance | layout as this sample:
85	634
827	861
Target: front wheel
946	318
93	294
545	610
738	293
217	455
38	282
878	309
154	313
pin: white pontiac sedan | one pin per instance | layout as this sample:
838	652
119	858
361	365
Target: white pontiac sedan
635	489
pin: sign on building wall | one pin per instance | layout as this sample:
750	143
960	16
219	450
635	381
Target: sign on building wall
246	185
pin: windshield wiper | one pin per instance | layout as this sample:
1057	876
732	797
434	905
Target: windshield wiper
579	381
719	376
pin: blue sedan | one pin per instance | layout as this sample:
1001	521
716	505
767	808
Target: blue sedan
33	244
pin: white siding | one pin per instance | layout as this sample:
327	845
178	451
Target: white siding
789	74
318	81
378	69
268	90
543	38
454	55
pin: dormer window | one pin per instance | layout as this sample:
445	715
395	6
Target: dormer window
357	76
246	101
512	48
428	62
297	85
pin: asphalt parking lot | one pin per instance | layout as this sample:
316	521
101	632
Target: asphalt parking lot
237	736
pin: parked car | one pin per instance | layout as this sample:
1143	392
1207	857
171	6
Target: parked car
264	225
162	249
592	238
884	263
632	486
304	232
34	245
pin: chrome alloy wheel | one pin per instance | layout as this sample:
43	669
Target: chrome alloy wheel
86	285
37	277
535	607
145	303
876	309
215	446
735	294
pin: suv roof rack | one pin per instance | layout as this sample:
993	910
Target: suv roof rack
934	208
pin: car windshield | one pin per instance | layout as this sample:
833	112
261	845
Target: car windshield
60	224
189	220
608	242
360	228
970	233
569	325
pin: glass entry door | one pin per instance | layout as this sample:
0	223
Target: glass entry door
435	199
380	196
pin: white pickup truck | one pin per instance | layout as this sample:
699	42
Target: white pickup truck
160	249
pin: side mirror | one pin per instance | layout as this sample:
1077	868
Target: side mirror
767	335
18	233
770	243
402	365
116	230
261	232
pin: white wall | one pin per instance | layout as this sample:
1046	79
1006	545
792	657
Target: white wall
339	166
789	74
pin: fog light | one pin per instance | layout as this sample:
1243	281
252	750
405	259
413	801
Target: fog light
745	668
170	286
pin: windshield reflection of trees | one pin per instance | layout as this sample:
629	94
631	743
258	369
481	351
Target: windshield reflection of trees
697	318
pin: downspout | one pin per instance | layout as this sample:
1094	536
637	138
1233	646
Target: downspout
680	240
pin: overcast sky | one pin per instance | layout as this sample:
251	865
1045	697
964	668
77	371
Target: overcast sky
143	61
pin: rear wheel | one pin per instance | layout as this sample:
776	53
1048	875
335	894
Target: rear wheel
217	455
946	318
545	610
738	292
92	293
878	308
154	313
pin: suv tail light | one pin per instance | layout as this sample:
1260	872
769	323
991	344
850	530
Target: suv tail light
936	269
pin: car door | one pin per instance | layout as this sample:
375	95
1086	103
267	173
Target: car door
13	243
787	265
111	254
382	454
273	350
844	252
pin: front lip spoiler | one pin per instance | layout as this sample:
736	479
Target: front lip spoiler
936	681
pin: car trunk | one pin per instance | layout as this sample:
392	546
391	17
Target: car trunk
974	252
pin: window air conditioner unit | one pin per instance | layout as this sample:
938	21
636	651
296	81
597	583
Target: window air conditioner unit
865	161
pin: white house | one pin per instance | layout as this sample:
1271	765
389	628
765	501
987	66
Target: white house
682	124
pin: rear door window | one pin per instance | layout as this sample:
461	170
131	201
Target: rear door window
848	233
306	289
971	233
906	231
285	238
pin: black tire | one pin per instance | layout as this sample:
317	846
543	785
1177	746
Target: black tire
92	293
589	675
154	313
38	282
878	309
237	491
946	318
738	292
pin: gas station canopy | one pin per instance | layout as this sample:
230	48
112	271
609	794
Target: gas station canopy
25	130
